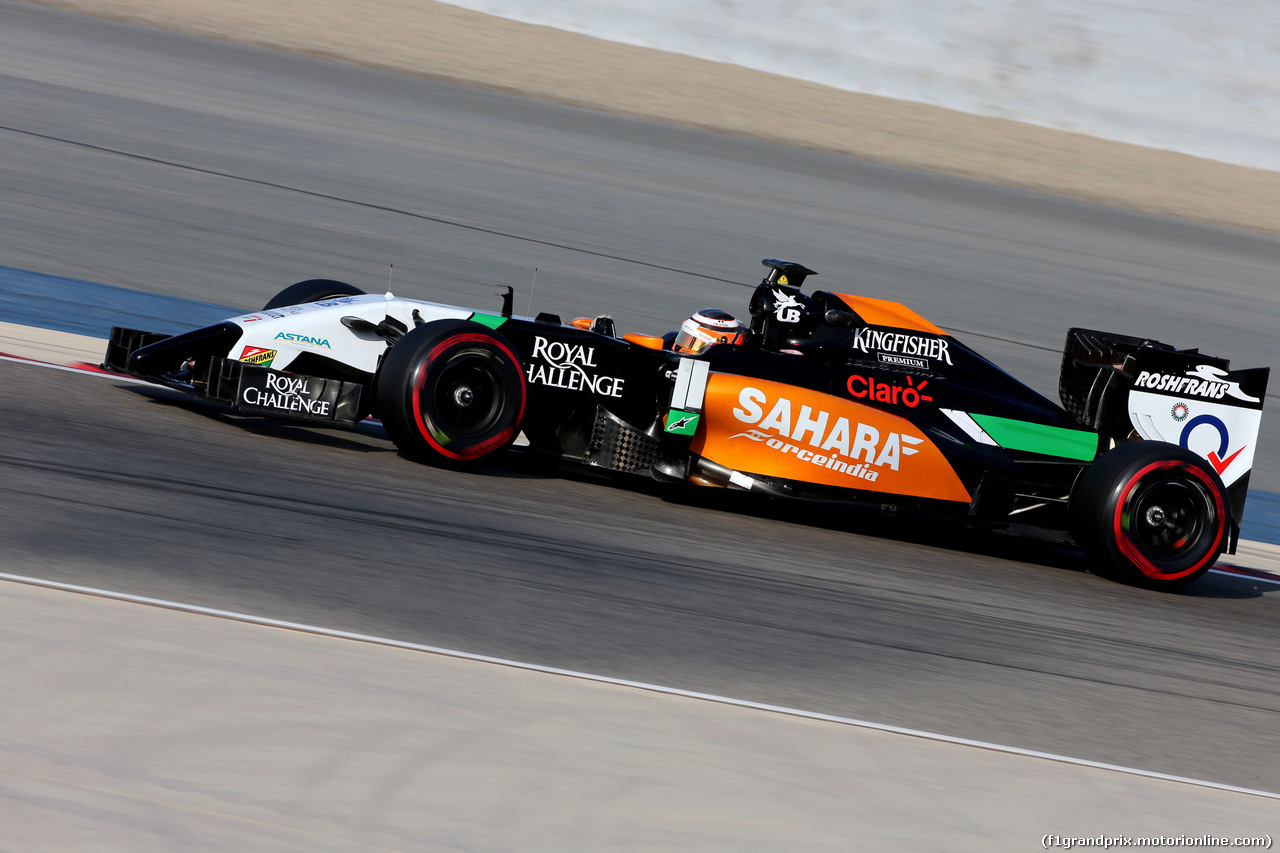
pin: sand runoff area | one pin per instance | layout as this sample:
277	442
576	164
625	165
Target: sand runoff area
448	43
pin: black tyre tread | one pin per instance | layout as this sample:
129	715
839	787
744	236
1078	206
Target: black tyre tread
1093	507
394	394
311	290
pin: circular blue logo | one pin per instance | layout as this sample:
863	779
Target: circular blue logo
1209	420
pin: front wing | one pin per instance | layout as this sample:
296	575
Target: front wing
246	387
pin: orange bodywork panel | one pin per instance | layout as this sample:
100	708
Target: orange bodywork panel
776	430
882	312
643	340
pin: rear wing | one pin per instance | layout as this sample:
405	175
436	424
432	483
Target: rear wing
1127	388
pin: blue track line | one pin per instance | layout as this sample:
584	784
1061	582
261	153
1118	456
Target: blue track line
1261	518
87	308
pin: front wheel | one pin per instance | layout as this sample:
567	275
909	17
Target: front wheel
1151	514
451	392
311	290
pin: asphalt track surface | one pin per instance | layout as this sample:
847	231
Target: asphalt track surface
219	173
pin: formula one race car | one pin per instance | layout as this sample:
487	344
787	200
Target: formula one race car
824	397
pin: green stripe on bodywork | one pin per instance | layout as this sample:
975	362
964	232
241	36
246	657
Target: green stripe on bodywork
493	321
1038	438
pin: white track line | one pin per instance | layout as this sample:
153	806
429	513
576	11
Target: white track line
70	369
618	682
1232	573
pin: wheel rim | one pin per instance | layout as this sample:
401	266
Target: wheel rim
1169	521
1168	518
468	397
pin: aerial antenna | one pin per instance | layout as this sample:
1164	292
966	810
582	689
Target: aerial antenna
390	267
529	311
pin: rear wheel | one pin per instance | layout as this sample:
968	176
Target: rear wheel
451	392
1151	514
311	290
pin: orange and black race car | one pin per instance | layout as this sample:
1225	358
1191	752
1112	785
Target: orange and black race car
820	397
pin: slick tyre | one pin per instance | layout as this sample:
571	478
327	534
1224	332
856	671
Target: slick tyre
1151	514
311	290
451	392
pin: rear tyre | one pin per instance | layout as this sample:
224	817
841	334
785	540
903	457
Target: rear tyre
1151	514
311	290
451	392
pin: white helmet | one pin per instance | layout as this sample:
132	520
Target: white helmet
708	327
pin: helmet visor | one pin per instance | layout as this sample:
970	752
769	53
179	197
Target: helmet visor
693	338
692	342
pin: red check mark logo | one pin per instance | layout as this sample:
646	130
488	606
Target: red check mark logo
1221	465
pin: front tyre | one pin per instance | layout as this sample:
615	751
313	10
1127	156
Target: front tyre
451	392
1151	514
311	290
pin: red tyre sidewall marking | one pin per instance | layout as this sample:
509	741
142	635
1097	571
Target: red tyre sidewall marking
419	381
1130	550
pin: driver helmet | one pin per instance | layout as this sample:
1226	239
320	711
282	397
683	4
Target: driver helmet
708	327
